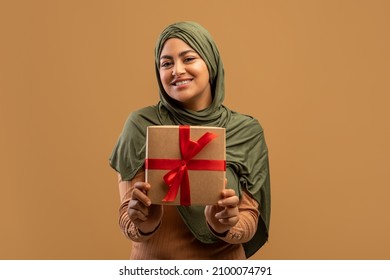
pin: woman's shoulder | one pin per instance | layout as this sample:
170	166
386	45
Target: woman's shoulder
141	118
145	112
245	120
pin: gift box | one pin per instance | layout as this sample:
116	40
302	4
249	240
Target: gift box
185	165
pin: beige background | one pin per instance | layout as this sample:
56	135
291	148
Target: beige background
315	73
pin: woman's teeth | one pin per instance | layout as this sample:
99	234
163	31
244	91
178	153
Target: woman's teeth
182	82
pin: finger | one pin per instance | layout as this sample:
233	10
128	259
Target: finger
137	210
136	216
142	186
229	221
231	201
227	213
138	206
228	193
140	195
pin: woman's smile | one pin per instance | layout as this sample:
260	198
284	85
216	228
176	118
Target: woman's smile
181	83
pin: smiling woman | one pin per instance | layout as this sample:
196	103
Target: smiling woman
190	76
184	75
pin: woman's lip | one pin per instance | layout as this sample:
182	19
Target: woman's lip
182	82
182	85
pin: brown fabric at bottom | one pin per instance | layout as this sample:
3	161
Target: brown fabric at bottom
173	240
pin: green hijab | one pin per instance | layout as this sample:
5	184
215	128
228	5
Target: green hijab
246	151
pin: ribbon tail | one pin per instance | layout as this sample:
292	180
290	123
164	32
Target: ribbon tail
172	179
185	193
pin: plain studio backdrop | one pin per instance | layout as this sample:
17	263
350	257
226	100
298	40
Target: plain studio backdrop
314	73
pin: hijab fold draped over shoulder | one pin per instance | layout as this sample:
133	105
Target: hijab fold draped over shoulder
246	151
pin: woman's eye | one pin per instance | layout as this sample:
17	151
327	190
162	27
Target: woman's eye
189	59
165	64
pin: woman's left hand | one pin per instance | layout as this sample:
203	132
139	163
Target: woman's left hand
224	215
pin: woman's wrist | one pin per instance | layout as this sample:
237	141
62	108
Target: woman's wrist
221	233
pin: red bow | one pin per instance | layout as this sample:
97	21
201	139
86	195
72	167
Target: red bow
178	177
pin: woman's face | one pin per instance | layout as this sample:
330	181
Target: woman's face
184	75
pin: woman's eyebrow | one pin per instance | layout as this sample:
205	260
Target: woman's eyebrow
183	53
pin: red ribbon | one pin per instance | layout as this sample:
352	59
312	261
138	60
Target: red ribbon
178	177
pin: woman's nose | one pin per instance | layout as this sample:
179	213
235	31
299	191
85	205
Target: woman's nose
178	69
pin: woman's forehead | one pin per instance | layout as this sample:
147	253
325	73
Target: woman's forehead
173	45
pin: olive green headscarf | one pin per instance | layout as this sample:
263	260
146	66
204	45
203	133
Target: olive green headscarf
246	151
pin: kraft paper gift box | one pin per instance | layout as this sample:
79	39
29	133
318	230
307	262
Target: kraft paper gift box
185	165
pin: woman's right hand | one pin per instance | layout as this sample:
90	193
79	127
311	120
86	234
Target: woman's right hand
145	216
